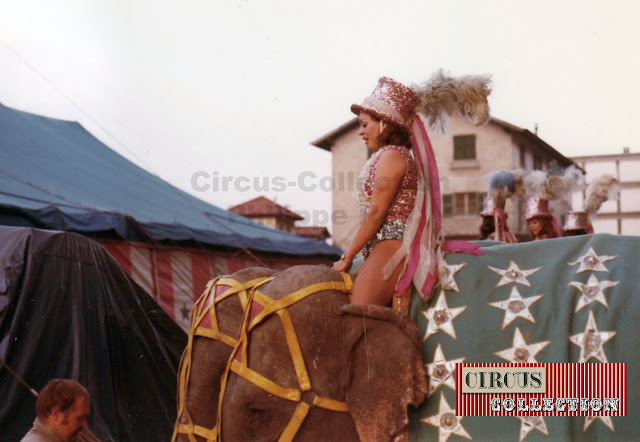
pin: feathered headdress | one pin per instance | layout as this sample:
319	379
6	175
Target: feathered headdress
562	187
443	96
601	189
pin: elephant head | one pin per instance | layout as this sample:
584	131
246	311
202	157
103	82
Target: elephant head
216	319
346	372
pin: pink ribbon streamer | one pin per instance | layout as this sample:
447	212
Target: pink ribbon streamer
455	246
424	154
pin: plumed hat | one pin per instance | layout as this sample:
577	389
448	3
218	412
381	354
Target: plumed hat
436	99
601	189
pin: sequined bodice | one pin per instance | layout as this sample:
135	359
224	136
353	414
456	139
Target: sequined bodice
405	198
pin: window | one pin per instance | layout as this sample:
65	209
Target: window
523	163
447	205
458	204
464	147
479	202
537	162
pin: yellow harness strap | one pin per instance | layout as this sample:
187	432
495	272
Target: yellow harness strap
234	288
241	367
203	306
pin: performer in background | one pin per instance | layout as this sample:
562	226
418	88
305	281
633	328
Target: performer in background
399	233
540	220
502	185
601	189
541	189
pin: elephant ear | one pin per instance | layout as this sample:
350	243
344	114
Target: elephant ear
387	371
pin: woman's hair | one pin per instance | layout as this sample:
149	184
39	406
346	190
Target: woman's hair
547	227
487	227
393	135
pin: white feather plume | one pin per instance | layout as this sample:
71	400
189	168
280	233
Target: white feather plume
601	189
535	184
443	96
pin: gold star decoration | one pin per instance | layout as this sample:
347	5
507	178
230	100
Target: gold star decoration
449	281
588	420
516	306
441	371
440	317
591	262
591	341
592	291
530	423
446	421
513	274
520	351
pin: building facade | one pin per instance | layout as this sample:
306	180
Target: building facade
465	155
622	216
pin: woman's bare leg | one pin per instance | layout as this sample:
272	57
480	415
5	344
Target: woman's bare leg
370	286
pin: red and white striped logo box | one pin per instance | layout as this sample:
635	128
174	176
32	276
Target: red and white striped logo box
553	389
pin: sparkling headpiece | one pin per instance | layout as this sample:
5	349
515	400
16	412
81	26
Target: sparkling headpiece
577	220
490	204
536	206
390	101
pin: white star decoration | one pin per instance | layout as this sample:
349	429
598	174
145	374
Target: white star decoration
588	420
441	371
591	341
590	261
514	274
450	281
516	306
530	423
440	317
446	421
520	351
593	290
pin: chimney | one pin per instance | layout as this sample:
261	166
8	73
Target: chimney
625	150
535	130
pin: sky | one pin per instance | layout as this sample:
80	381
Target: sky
203	93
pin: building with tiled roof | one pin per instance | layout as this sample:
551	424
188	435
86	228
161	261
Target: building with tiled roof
269	213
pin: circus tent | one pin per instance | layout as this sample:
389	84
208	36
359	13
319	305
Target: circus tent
55	175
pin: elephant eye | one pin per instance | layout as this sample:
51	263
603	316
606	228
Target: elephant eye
261	421
258	416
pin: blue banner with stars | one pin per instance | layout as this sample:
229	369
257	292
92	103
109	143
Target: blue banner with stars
573	299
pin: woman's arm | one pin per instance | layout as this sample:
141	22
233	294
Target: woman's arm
390	170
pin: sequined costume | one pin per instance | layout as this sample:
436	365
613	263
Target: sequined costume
393	225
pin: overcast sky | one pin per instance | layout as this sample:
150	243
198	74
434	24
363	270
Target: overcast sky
239	88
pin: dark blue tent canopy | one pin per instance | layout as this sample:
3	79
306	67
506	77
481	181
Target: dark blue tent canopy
56	175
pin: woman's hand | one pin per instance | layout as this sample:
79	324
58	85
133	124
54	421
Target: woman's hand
343	264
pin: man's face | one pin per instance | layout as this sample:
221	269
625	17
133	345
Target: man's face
68	424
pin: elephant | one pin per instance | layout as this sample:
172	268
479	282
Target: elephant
318	368
204	361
